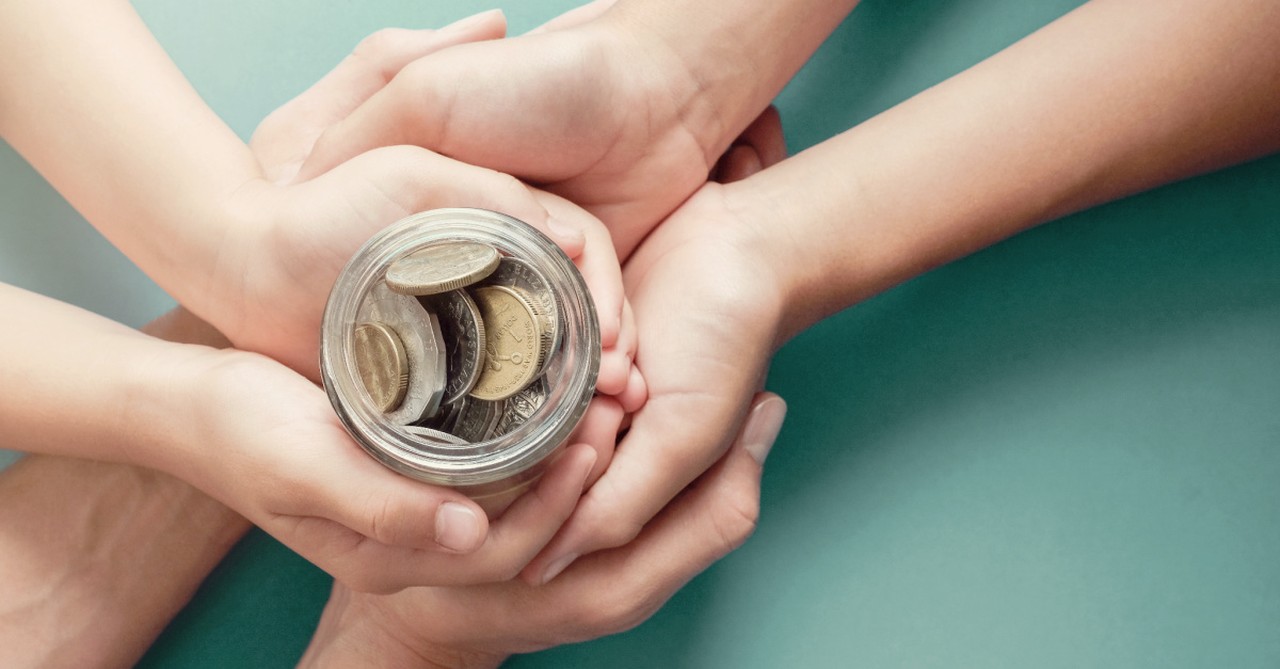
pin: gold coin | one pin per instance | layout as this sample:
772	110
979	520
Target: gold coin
382	363
514	332
442	267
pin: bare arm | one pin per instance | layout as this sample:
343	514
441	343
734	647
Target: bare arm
96	558
623	111
1113	98
90	98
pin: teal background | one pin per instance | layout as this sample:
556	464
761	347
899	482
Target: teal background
1059	452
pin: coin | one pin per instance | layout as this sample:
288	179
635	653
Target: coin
520	274
419	331
436	436
383	366
521	407
477	419
513	342
442	267
445	419
463	331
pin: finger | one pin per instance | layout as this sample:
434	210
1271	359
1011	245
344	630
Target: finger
599	429
615	372
355	491
416	179
766	137
530	523
672	439
576	16
738	163
365	564
717	513
597	262
285	137
633	397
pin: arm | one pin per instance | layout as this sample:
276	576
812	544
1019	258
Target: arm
265	442
93	102
82	541
623	111
1115	97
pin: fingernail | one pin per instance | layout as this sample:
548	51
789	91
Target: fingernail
457	527
565	232
470	21
762	427
558	566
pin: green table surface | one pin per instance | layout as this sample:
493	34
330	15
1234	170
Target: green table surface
1061	452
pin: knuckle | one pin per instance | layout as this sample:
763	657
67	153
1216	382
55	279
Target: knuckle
735	518
609	525
510	188
382	521
380	46
618	531
621	610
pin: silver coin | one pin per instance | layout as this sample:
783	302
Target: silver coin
441	267
521	407
464	337
478	419
445	419
419	331
521	275
428	434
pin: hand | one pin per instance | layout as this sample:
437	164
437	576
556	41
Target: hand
606	593
265	442
600	115
289	241
709	315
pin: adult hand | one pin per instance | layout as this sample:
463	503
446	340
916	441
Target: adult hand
288	241
708	313
598	112
606	593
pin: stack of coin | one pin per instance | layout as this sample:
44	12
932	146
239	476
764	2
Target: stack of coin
452	343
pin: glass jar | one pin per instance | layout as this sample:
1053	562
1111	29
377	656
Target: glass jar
496	462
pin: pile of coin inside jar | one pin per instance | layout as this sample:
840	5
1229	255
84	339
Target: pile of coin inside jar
460	347
455	334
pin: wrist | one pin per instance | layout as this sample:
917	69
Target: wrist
658	69
163	403
775	239
364	630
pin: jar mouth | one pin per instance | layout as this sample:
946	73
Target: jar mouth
569	373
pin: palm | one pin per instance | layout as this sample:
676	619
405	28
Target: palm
707	318
590	119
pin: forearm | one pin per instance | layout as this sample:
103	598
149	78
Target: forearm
93	102
1114	98
738	54
77	384
96	558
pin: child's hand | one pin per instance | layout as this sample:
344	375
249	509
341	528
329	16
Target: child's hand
265	441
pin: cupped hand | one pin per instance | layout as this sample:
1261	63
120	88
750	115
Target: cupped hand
591	110
606	593
291	238
708	312
265	441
